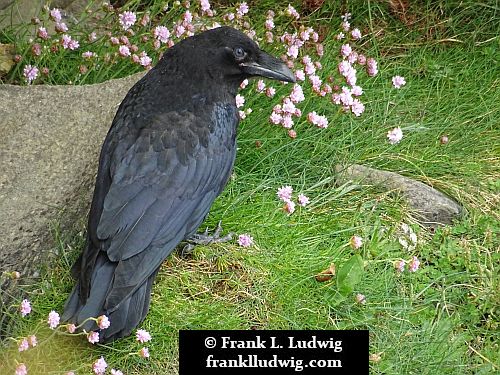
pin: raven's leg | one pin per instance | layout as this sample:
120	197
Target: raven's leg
206	239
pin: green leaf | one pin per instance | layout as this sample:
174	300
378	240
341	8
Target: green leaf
350	274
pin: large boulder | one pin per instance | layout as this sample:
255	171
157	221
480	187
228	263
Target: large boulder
50	137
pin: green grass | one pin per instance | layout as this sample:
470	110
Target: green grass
442	319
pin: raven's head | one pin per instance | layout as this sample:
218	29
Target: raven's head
227	54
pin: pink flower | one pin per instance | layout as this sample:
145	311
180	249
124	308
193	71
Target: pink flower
144	353
261	86
297	95
275	118
93	337
42	33
127	19
346	97
400	265
336	98
53	319
356	34
357	108
55	14
309	69
88	55
30	73
345	68
361	59
144	59
21	369
244	84
161	33
32	341
242	10
340	36
414	264
395	135
356	90
245	240
103	322
288	106
71	328
240	100
61	27
124	40
142	336
25	307
287	121
360	298
315	80
356	242
23	345
99	366
124	51
345	50
293	51
299	74
289	207
68	42
318	120
398	81
285	193
269	24
292	133
117	372
292	12
205	5
371	67
270	91
303	200
92	36
187	17
346	26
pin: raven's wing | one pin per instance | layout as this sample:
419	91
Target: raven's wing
162	184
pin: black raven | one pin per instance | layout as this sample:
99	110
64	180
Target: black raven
167	156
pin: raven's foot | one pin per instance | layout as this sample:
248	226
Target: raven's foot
206	239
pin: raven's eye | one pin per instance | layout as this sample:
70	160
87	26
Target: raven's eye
239	53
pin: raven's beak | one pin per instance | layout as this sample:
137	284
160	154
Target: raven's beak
269	67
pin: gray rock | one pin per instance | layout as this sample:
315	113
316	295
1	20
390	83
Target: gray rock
18	12
50	138
431	207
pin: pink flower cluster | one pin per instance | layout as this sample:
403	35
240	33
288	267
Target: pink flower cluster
27	342
413	264
283	113
127	19
395	135
398	81
319	120
25	307
53	319
245	240
69	43
284	193
356	242
292	12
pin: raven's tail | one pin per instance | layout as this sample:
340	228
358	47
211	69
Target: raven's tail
123	319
